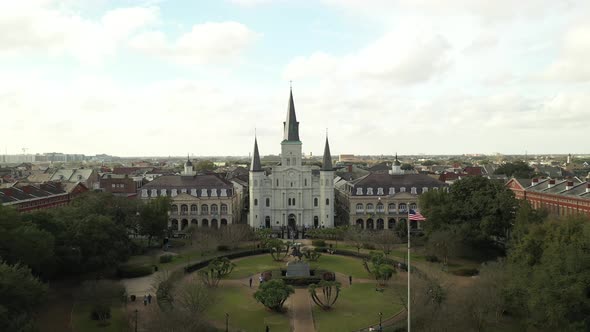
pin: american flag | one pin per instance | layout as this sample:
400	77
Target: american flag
416	216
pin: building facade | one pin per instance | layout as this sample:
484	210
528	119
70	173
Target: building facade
380	201
559	197
200	200
28	197
291	194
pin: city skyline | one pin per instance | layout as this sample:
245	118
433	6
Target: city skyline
152	78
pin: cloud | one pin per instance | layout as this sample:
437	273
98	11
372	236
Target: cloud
40	27
209	42
402	56
572	65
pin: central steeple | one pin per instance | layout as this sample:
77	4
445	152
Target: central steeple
291	126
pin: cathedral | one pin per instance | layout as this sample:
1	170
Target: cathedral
291	194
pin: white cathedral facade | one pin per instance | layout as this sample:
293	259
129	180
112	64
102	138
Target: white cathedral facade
292	194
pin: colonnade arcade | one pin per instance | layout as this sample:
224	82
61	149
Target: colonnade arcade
383	223
182	224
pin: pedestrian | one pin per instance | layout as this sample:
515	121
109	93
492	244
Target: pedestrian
267	328
149	298
145	300
250	282
350	280
261	279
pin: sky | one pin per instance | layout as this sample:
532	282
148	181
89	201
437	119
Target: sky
158	78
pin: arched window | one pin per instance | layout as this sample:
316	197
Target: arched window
174	209
223	208
214	209
204	209
391	208
315	202
403	208
360	208
380	208
413	206
370	208
327	201
184	209
255	201
305	182
194	209
267	202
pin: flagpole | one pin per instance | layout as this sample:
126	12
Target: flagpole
408	227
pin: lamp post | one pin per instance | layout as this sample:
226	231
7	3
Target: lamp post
380	321
136	312
226	322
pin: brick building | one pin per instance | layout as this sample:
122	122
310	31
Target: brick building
25	198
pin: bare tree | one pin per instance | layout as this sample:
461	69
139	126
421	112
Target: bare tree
385	240
356	236
204	240
192	296
232	235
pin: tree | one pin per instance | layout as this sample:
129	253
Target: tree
526	216
443	244
385	240
21	294
379	267
153	219
273	294
401	229
204	239
328	288
549	272
100	294
192	297
357	236
407	167
517	169
311	255
479	210
263	235
217	269
204	165
232	235
278	249
428	163
33	247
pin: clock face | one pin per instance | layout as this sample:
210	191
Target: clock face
291	174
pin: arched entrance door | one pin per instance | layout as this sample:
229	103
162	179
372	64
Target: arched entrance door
316	222
214	223
370	224
380	223
292	221
267	222
360	223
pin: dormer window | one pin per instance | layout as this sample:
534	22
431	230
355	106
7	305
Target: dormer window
174	192
379	191
154	193
144	193
424	189
204	193
163	192
183	191
194	192
359	191
223	192
369	191
214	192
413	190
402	189
391	190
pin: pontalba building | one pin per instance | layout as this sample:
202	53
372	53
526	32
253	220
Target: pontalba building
292	194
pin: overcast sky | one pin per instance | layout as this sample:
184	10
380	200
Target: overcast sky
137	78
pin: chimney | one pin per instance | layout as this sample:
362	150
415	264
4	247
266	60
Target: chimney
569	185
535	181
551	183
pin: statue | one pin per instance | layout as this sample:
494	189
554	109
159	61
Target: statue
296	252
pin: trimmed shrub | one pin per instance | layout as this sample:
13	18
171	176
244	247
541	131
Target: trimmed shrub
222	247
431	258
176	243
100	311
133	271
369	246
301	281
166	259
466	272
239	254
321	249
318	243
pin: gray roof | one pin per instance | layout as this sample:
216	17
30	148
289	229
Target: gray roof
256	166
385	181
291	124
196	181
327	161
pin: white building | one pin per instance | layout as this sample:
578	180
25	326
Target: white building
291	194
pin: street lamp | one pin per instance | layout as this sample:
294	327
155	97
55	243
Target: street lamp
226	322
380	321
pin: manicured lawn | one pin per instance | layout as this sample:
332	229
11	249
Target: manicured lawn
255	264
343	264
244	312
81	321
358	307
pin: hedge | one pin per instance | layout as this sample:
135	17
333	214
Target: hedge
465	272
166	259
301	281
134	271
233	255
318	243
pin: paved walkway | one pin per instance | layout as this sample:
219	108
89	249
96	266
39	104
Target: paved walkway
300	311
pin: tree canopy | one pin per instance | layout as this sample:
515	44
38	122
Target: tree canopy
517	169
273	294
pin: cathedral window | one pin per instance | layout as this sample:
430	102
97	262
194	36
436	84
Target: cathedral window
293	201
359	191
193	209
291	184
288	161
305	182
315	202
369	191
277	182
267	202
327	201
255	202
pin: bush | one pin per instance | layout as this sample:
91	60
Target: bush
222	247
100	311
318	243
321	249
369	246
301	281
176	243
134	271
466	272
166	259
431	258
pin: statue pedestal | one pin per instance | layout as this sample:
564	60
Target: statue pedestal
297	269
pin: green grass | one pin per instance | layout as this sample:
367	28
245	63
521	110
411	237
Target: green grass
244	312
254	265
358	307
343	264
81	321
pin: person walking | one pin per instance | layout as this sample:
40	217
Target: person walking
350	280
149	298
250	282
145	300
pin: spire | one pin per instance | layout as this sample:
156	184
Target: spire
396	163
327	160
256	166
291	125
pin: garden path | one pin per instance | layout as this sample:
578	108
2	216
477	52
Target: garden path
301	316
